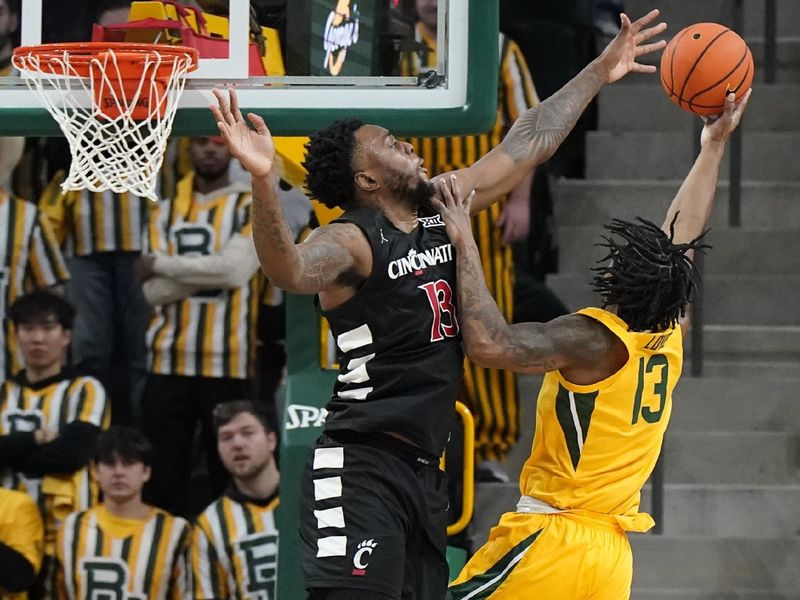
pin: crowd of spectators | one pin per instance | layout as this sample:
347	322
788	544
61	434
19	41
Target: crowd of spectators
141	349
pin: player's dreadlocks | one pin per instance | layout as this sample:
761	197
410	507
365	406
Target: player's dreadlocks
329	163
647	277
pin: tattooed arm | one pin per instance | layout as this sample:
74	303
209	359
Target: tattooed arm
330	255
566	342
539	131
327	256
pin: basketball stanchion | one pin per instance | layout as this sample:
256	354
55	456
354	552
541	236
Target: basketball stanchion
115	104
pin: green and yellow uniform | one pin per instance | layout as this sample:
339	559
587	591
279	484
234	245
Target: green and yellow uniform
235	550
593	450
102	555
490	394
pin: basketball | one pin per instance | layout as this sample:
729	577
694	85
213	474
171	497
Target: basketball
702	64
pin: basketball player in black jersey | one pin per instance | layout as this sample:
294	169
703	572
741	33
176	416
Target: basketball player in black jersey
374	512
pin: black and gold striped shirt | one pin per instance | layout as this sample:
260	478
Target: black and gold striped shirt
92	222
49	407
235	550
104	556
212	333
29	258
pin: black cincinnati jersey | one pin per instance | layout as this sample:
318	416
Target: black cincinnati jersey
397	338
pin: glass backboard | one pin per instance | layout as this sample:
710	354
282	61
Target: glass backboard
298	63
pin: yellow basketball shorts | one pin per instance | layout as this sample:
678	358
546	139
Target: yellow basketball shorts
548	557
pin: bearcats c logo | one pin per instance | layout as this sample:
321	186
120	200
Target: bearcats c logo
361	558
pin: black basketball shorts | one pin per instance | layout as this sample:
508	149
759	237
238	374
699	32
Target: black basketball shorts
374	517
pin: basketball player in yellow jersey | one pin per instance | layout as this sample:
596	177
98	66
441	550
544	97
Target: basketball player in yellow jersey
605	401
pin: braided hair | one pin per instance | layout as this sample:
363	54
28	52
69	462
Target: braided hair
648	277
329	162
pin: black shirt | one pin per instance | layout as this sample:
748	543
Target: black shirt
398	341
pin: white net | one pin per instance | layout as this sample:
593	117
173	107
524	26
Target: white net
117	126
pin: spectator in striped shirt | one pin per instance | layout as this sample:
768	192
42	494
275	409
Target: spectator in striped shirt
235	541
123	548
50	419
29	254
101	236
201	276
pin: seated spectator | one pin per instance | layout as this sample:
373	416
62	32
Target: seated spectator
235	541
201	276
102	552
50	418
21	540
29	255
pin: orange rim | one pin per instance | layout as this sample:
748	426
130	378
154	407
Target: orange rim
81	54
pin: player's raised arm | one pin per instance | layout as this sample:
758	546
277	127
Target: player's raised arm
488	338
539	131
691	207
306	268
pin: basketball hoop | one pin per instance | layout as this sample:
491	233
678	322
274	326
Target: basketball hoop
115	103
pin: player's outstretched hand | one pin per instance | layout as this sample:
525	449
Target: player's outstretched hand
252	146
719	129
455	209
619	57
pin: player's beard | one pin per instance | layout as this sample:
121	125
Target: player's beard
416	197
254	471
211	174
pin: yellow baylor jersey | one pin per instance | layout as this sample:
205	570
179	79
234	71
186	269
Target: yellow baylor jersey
595	445
101	555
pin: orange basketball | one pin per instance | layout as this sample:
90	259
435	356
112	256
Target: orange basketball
702	64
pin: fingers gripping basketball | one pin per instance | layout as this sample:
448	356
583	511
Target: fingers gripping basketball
702	64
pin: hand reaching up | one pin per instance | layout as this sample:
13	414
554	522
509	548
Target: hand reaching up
720	128
252	146
619	57
455	209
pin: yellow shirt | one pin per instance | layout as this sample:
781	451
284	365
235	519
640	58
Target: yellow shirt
21	529
596	445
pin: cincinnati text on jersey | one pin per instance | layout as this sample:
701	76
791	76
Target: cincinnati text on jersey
417	262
